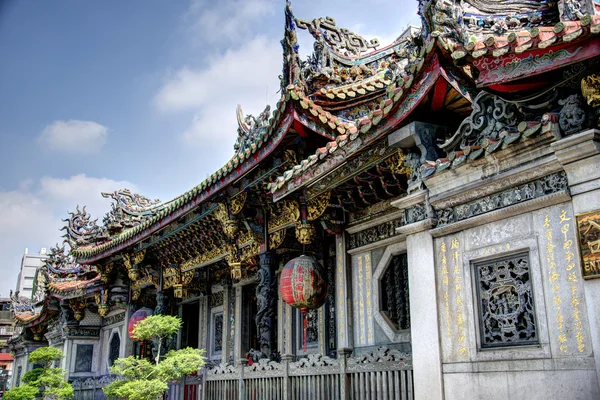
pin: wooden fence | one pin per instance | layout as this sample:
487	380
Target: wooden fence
382	374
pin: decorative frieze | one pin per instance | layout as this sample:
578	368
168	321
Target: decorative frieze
381	354
113	319
550	184
83	332
314	360
387	229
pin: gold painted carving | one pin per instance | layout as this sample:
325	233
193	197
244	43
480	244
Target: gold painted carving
37	332
139	257
187	277
230	226
102	302
221	212
178	291
317	206
276	239
305	233
236	270
205	257
145	281
105	272
237	203
250	251
590	89
396	163
132	271
78	307
289	212
171	277
588	228
127	261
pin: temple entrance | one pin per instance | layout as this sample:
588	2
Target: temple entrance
190	314
250	308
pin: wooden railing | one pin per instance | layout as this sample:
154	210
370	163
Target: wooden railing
381	374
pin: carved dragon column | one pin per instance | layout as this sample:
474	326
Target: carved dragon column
265	298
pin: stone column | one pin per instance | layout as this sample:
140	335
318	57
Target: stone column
580	157
343	300
237	346
427	363
265	297
226	325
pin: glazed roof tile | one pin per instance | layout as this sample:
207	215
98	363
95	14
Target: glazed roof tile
65	287
396	93
497	45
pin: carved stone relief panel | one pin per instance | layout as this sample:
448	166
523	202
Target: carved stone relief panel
505	301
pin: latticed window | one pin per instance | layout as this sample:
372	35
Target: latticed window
394	292
218	333
505	302
113	352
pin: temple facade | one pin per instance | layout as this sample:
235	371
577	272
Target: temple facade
444	189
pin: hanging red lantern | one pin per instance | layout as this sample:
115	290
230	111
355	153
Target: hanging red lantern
302	285
136	317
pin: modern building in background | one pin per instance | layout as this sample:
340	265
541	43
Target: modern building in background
6	331
29	265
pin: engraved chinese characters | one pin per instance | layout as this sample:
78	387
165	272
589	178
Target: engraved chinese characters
564	299
506	307
453	294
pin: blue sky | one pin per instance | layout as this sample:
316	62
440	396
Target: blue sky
101	95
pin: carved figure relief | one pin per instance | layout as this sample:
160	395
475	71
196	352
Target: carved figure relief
505	297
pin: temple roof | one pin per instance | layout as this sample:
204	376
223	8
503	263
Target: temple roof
352	92
58	278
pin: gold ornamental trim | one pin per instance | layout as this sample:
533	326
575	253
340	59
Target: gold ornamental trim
317	206
588	230
237	203
289	213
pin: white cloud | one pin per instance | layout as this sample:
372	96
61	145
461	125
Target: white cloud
74	136
247	75
30	216
226	21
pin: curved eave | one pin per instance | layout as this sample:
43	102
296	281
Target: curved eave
71	289
383	121
240	164
506	57
28	321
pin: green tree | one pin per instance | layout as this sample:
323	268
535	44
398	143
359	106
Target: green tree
45	382
143	380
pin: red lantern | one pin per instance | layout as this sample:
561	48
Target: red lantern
302	285
136	317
